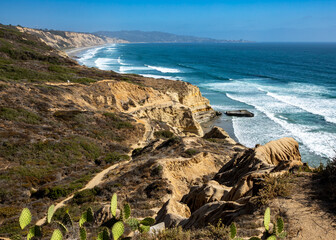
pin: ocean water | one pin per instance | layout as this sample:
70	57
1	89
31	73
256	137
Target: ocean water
290	87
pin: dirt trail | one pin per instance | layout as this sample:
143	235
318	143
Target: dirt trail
306	216
95	181
98	179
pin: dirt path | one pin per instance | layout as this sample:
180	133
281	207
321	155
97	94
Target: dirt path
306	216
95	181
98	179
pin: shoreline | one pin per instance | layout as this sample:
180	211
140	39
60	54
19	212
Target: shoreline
222	121
71	52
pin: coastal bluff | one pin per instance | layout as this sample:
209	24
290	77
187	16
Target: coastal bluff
73	136
66	39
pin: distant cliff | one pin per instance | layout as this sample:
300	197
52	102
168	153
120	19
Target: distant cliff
63	39
160	37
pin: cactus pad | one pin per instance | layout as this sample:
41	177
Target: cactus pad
25	218
114	203
127	211
118	230
57	235
267	218
82	234
148	221
233	230
51	211
34	232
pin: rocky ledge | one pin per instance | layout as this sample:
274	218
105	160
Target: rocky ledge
239	113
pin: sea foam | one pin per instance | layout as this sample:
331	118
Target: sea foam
164	69
103	63
319	142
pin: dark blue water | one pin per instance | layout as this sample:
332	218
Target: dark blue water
291	87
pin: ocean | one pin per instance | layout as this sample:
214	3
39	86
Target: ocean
290	87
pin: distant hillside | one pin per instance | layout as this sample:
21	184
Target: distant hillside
159	37
64	39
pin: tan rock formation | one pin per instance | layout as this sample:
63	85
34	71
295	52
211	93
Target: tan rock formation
172	213
217	132
140	101
201	195
226	197
64	39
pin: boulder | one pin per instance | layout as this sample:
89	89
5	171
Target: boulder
217	132
172	213
201	195
275	157
239	113
210	213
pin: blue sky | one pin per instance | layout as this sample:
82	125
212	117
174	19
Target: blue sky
256	20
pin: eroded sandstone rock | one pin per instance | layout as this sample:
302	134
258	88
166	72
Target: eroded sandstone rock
172	213
227	196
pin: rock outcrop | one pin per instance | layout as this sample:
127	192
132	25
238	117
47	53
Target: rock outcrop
219	133
226	197
239	113
180	104
64	39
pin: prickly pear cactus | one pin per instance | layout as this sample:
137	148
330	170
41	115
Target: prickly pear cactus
89	215
51	211
127	211
280	225
34	232
144	228
114	203
83	219
82	234
133	223
233	230
148	221
25	218
104	235
57	235
118	230
273	237
62	227
267	218
67	220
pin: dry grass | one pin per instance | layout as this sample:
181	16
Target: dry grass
273	187
211	232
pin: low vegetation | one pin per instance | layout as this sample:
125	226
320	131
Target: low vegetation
164	134
272	187
24	58
325	186
19	115
85	228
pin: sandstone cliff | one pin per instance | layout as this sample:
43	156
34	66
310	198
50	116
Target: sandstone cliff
227	195
64	39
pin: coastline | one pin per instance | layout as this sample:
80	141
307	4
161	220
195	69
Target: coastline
72	52
222	121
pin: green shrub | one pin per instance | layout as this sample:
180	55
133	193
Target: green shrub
8	211
191	152
163	134
115	157
274	187
87	195
117	122
157	170
56	192
19	115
